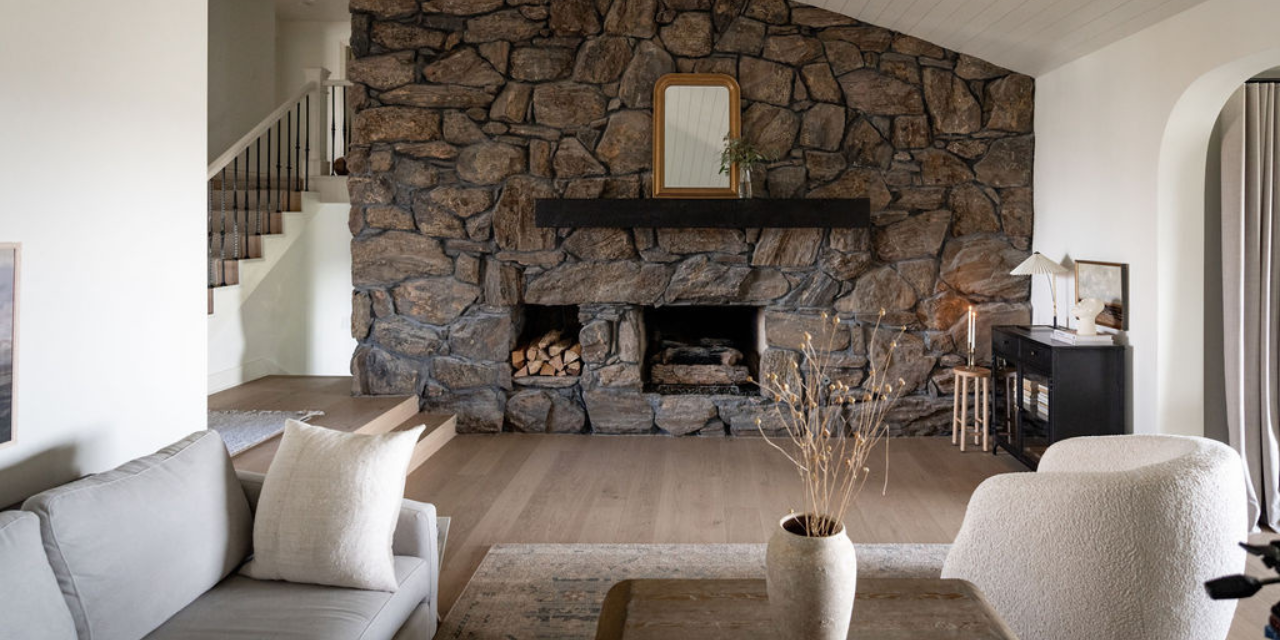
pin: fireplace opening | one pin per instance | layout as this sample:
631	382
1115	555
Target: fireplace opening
548	344
702	350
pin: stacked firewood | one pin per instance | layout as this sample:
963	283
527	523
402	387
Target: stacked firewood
550	354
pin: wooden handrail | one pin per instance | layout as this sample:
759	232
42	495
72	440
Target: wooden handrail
247	139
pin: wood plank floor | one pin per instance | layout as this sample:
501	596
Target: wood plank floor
545	488
594	489
330	394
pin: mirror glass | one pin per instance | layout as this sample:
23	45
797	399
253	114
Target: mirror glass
693	113
696	123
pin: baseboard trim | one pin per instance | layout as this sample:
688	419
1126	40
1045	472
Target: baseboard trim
247	372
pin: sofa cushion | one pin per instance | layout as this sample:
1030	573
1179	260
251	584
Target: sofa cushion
241	607
133	546
31	605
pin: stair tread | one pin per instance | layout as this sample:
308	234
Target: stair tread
432	420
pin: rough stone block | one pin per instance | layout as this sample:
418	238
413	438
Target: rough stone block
617	412
682	415
487	337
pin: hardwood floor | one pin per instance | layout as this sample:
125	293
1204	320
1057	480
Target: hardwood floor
1251	614
544	488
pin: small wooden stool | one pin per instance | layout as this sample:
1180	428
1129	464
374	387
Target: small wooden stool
960	423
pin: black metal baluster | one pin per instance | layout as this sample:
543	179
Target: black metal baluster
288	133
222	234
209	243
235	215
306	176
270	189
333	127
346	126
279	152
257	193
297	139
247	164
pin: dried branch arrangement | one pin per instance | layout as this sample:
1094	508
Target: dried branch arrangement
831	427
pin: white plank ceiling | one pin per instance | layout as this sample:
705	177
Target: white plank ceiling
1030	36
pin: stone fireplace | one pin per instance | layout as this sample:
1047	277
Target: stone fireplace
468	113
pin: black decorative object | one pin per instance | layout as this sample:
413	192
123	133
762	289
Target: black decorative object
672	213
1046	391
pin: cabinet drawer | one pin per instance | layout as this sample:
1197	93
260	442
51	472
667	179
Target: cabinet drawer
1036	355
1004	343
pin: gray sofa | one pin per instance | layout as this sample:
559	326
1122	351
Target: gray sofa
150	550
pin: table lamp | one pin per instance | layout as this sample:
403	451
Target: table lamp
1037	264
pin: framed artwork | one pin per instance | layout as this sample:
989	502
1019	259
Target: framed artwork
9	262
1108	282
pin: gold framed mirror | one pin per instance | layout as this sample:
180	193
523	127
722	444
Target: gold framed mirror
693	113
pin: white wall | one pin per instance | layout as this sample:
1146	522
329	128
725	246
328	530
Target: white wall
242	69
1121	138
294	316
103	124
308	44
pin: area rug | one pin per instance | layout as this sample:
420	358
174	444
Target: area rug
546	591
241	430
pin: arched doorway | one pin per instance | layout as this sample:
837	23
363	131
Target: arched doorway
1180	219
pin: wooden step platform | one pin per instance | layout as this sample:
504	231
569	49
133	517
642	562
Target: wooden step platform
441	428
342	411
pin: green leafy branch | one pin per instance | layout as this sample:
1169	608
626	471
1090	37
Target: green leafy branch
741	152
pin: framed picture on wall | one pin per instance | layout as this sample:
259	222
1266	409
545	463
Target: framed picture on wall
1108	282
10	255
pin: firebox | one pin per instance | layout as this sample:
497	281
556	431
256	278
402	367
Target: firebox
702	350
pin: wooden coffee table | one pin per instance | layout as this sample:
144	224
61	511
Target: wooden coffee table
885	609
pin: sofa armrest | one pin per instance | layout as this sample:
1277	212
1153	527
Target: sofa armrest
252	484
417	535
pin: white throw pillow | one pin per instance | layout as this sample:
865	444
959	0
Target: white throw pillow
329	507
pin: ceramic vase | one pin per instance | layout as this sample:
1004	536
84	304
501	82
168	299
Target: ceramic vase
811	582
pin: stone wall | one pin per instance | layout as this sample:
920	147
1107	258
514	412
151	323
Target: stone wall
470	110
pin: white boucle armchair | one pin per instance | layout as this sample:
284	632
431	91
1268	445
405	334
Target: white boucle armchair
1113	537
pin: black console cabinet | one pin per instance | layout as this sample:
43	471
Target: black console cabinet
1045	391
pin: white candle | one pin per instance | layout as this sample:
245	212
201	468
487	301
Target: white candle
972	340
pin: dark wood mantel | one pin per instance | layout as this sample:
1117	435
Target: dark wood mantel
678	213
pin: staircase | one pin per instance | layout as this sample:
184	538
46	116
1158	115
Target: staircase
264	175
242	212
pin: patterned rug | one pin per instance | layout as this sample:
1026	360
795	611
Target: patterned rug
243	429
554	591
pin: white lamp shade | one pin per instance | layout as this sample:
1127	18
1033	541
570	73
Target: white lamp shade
1036	265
